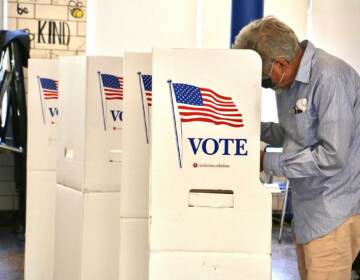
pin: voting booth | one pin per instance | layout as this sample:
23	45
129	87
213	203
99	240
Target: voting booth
89	151
89	168
210	215
42	101
134	205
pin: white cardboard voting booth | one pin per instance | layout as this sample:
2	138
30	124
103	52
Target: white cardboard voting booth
42	100
89	169
40	224
89	152
43	114
134	205
210	215
87	234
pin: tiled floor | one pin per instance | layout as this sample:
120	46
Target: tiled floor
11	255
284	265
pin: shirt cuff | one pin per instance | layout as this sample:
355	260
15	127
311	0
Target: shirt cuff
272	164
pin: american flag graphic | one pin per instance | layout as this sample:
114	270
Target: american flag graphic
112	86
147	82
198	104
49	88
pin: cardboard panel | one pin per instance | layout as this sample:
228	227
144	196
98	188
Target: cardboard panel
42	100
89	152
72	129
87	235
40	225
68	234
210	266
204	151
101	230
136	136
134	249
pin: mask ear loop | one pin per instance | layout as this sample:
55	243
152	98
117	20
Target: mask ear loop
272	66
282	76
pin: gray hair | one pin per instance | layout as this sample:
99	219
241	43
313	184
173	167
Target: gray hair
270	38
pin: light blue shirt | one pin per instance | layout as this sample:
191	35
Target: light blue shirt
321	145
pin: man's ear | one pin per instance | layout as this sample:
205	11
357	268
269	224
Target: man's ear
282	62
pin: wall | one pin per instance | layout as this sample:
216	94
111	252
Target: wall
56	27
213	23
139	25
293	12
117	26
335	28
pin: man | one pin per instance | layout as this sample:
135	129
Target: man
318	100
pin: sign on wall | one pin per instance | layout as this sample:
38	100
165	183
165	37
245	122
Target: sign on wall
56	27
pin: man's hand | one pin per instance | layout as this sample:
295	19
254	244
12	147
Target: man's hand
262	153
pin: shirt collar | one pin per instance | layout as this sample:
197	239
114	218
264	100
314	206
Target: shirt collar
303	73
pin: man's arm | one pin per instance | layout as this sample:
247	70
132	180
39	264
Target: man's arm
272	133
336	123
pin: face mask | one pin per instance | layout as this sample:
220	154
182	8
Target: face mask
268	83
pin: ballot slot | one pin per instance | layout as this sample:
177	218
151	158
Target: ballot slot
69	153
211	198
115	156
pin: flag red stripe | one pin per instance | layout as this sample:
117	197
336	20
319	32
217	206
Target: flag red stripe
113	94
191	109
112	90
211	121
50	91
214	99
47	98
205	100
220	109
216	109
185	114
216	94
114	98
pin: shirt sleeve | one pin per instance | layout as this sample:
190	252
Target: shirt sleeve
335	109
272	133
